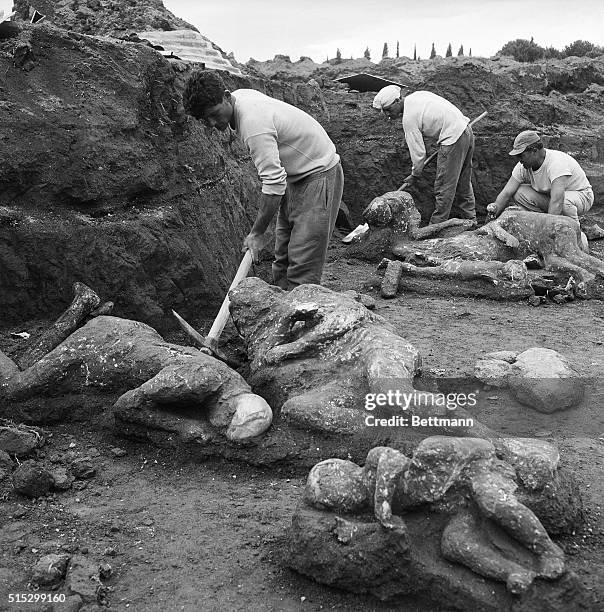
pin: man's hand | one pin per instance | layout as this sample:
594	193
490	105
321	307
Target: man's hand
410	179
254	243
493	209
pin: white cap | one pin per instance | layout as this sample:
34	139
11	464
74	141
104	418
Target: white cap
386	96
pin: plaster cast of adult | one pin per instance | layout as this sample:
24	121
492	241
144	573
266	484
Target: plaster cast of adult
426	114
394	483
544	180
297	163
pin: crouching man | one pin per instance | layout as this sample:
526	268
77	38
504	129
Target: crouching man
544	180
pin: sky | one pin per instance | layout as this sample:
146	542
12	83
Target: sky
262	29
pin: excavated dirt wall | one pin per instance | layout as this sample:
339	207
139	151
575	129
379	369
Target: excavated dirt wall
105	180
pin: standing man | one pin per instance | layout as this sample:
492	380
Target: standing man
544	180
425	113
297	163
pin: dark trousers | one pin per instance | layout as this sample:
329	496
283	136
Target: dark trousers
305	222
454	175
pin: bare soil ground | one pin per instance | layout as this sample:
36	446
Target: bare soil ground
187	536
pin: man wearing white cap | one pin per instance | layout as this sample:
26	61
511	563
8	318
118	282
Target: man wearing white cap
544	180
426	114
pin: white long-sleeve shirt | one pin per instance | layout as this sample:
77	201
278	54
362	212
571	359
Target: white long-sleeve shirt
426	114
286	144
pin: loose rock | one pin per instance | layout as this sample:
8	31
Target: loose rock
544	380
83	469
17	439
50	569
32	479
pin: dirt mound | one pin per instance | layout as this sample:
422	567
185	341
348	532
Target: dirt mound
106	17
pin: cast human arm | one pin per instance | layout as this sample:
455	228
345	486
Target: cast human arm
502	200
556	197
255	241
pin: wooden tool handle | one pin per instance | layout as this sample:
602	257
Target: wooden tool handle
478	118
431	157
223	313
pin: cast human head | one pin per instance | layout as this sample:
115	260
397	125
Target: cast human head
389	101
206	97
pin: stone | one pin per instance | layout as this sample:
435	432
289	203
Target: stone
367	300
544	380
391	280
105	570
361	556
62	479
83	578
493	372
82	468
50	569
17	439
509	356
32	479
533	262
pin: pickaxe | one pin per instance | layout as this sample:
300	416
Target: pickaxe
209	344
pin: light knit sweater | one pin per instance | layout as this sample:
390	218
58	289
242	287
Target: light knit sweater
286	144
426	114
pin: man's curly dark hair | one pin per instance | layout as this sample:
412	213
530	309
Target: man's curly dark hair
203	89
